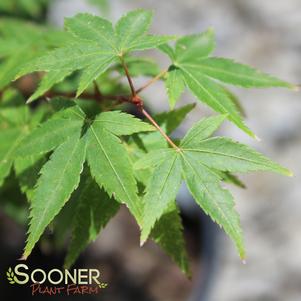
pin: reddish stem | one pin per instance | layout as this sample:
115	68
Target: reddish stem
155	124
128	77
153	80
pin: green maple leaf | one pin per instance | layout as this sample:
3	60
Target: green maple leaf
74	138
60	176
192	67
203	163
95	47
33	8
14	124
18	47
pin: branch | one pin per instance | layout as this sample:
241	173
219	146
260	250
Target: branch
136	100
97	91
153	80
90	96
128	77
155	124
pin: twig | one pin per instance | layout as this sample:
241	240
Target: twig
153	80
97	91
89	96
136	100
128	77
155	124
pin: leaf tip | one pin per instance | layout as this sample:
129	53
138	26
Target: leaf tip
295	88
211	30
257	138
29	100
79	93
143	238
24	256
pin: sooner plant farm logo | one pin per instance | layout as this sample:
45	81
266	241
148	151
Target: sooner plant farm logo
56	281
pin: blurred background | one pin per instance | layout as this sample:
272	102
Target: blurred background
263	34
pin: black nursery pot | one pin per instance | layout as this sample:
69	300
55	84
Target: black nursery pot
132	273
147	274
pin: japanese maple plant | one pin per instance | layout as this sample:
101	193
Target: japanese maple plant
80	155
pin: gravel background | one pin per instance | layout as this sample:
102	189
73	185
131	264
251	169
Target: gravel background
264	34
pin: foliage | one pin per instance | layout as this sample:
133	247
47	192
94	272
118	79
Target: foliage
24	8
80	156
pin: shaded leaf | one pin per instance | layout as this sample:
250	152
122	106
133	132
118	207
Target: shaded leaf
94	210
168	233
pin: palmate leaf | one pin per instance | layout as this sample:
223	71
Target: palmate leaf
67	133
193	66
93	211
96	46
59	178
203	163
